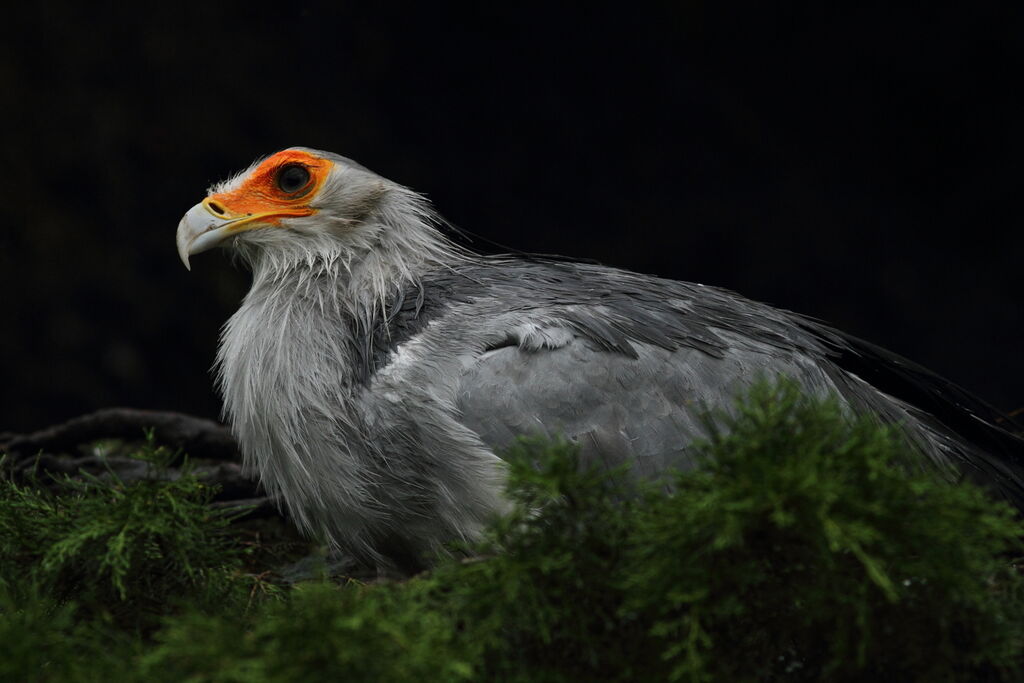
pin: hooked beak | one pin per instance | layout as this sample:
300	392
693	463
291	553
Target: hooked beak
198	231
207	224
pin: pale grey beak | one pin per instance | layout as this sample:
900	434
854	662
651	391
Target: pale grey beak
201	229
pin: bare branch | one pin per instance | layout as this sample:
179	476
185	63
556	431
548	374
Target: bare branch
199	437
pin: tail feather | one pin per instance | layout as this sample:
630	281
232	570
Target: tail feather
985	443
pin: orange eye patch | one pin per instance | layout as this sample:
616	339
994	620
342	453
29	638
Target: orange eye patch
280	186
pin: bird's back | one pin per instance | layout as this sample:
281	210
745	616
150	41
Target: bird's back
628	365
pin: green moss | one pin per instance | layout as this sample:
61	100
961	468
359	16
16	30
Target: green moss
797	552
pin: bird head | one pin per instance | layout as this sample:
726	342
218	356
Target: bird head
299	204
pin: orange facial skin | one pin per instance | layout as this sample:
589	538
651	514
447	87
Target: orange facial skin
260	199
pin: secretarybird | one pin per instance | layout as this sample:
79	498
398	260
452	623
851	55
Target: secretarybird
375	370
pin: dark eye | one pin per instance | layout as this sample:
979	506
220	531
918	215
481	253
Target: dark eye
292	178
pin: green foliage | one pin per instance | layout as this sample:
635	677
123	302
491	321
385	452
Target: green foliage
380	633
119	550
797	552
800	546
545	602
41	640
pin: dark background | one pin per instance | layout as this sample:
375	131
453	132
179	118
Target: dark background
862	167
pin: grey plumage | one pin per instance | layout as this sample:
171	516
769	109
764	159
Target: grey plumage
375	371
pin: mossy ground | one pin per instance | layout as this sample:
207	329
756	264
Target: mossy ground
797	552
